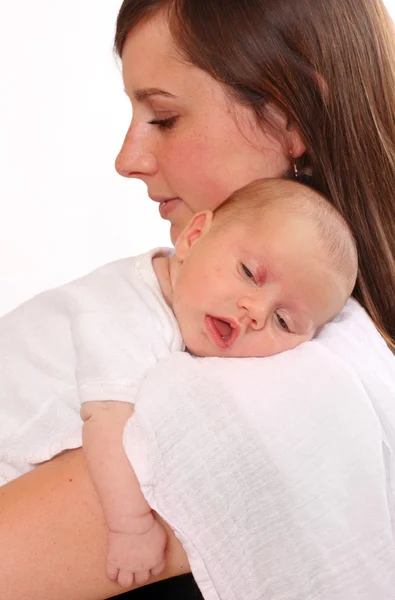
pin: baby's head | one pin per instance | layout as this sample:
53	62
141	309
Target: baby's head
263	273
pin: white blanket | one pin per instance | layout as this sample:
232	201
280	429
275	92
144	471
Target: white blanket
277	474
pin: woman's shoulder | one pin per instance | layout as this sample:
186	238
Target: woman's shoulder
353	337
353	341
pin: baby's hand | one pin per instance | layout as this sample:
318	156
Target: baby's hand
136	554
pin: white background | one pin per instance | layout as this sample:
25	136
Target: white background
63	115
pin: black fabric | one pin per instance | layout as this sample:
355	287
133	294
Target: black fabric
182	588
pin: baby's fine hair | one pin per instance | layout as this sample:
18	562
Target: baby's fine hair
334	236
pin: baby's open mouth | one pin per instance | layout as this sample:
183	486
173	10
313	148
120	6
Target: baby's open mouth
222	332
224	328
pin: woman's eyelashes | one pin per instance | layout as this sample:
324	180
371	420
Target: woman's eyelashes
167	123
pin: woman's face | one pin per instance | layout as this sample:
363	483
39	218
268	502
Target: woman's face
188	141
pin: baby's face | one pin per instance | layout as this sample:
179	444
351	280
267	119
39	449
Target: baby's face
255	291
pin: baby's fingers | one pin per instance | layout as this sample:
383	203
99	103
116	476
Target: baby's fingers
112	572
158	569
141	577
126	578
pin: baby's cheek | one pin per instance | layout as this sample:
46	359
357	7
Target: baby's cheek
291	341
269	343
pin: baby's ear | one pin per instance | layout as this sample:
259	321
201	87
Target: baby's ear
199	225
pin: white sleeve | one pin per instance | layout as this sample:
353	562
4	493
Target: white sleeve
113	350
270	472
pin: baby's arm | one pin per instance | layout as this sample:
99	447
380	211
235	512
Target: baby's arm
136	541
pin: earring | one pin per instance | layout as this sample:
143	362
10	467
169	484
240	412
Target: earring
305	178
294	165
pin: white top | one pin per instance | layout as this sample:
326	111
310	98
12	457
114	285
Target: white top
277	474
91	339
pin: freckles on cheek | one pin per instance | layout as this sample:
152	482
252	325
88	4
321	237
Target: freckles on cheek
189	154
199	166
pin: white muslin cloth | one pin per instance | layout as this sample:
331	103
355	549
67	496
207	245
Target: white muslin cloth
277	474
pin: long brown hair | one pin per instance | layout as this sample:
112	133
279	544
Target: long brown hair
330	66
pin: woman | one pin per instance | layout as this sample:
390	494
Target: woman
224	93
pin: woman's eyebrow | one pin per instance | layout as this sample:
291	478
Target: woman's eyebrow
142	94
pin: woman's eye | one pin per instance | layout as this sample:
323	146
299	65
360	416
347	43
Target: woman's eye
164	123
247	271
282	323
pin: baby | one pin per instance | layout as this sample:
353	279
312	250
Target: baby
259	276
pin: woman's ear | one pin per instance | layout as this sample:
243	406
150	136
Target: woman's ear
291	140
199	225
296	145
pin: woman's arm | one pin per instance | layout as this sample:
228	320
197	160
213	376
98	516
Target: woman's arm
53	536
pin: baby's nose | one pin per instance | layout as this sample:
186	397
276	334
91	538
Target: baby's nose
255	311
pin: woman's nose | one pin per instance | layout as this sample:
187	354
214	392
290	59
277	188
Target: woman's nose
135	158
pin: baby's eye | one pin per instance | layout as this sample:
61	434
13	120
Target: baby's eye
247	271
282	323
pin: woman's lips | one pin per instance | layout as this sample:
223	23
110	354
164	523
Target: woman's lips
222	332
166	207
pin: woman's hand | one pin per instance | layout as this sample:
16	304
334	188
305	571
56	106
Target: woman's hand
53	536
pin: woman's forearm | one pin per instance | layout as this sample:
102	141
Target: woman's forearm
53	536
